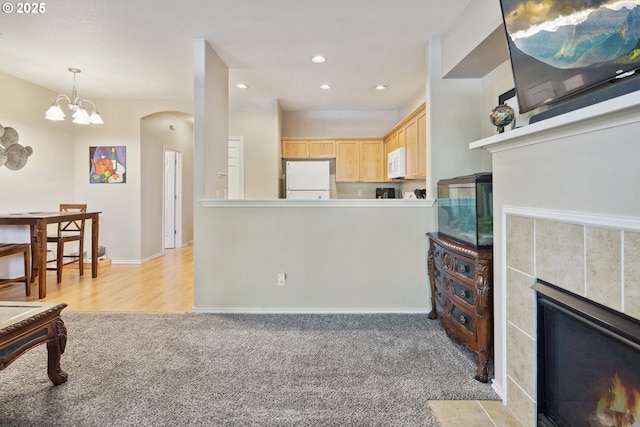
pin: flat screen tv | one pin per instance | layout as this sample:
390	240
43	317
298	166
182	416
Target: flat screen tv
561	48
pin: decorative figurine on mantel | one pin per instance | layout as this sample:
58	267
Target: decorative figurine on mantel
502	116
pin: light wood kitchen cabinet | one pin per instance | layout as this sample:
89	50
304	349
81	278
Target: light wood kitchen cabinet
359	160
305	148
416	144
322	149
295	149
422	145
410	133
372	162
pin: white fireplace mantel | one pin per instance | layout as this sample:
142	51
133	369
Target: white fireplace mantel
615	112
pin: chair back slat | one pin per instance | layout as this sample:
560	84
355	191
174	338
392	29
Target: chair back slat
74	226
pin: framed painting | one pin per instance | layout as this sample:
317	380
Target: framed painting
107	165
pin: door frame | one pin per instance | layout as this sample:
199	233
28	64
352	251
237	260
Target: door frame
239	140
178	194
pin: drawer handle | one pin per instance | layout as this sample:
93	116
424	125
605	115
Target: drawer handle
463	319
437	252
439	294
463	268
464	293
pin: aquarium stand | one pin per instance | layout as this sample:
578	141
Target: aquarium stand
461	279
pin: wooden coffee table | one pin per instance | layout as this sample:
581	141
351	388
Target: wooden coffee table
25	325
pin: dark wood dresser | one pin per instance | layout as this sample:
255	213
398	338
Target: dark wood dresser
462	298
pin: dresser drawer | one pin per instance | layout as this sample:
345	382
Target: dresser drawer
464	267
439	297
462	318
453	262
438	253
438	274
462	292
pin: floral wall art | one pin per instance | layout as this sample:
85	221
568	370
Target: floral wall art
12	155
107	165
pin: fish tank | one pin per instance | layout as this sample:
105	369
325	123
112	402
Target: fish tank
465	209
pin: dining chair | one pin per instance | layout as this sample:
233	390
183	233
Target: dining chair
7	249
70	231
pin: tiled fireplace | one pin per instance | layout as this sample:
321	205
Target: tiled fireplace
596	259
587	363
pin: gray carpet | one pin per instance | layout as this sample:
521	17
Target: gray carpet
242	370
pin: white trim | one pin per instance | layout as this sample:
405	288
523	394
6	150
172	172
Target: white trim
622	259
503	301
606	221
137	261
332	203
619	111
496	387
240	141
307	311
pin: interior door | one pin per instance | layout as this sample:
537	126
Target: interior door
170	199
235	173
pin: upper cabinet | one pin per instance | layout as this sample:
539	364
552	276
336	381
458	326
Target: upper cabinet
359	160
365	159
306	148
411	133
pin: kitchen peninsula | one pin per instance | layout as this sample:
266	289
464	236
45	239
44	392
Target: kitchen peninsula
319	246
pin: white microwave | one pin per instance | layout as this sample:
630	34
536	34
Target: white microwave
396	164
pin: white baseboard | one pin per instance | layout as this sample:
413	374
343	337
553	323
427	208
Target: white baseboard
212	310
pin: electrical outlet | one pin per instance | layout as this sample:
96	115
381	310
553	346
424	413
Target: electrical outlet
359	192
282	278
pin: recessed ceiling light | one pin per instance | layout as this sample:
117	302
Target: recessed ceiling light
242	86
318	59
380	87
325	87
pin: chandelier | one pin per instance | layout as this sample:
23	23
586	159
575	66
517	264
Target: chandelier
75	104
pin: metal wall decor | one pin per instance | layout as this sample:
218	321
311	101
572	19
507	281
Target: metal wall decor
12	155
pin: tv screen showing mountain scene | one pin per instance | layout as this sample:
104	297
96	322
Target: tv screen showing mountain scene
559	48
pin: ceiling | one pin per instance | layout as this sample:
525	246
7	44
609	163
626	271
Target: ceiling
143	49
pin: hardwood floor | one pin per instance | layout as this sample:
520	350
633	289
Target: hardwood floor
162	285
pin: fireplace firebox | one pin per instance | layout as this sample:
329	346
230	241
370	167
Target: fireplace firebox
588	362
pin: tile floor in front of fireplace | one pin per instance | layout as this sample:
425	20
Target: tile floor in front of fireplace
473	413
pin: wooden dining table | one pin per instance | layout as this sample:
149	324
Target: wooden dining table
37	222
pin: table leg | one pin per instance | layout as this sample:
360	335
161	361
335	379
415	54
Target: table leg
55	348
94	246
41	249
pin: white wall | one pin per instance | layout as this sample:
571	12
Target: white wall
472	27
58	170
211	122
338	123
48	177
120	204
452	122
336	258
261	132
158	131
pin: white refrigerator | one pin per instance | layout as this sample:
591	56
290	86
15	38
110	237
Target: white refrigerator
307	180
